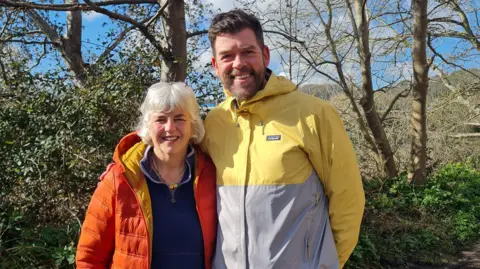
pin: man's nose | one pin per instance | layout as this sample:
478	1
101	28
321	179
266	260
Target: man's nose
239	62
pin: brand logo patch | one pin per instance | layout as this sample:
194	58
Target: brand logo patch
273	137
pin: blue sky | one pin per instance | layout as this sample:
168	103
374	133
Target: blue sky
97	26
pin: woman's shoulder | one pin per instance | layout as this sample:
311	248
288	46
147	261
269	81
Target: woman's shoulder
204	160
112	176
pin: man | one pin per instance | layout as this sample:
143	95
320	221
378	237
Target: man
289	192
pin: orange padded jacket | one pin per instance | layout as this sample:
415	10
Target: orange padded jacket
118	228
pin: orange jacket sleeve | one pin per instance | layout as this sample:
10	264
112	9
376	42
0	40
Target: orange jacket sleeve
97	238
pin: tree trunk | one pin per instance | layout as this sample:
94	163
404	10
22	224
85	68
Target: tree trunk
367	101
72	44
418	156
174	66
69	46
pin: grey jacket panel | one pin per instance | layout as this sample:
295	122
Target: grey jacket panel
274	226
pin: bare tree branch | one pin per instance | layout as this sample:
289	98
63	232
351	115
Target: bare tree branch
397	38
122	36
434	51
402	94
314	67
44	26
71	7
196	33
159	12
288	37
436	7
137	24
466	25
445	19
40	57
114	44
7	21
29	42
453	34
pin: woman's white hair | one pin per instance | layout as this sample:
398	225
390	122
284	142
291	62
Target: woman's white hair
165	97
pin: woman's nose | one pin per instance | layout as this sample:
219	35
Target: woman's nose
170	125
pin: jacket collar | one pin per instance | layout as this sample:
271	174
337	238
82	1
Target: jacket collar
130	151
275	86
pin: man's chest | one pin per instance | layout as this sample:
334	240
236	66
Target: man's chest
256	151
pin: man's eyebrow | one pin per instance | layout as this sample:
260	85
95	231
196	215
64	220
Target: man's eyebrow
222	52
248	47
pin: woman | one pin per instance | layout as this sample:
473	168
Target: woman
155	205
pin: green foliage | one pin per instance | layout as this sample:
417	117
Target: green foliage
406	224
24	244
56	140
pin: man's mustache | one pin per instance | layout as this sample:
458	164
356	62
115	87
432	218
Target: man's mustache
241	71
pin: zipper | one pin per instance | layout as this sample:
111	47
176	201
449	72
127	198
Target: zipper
317	200
235	106
172	189
308	251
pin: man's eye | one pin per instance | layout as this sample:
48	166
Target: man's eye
226	56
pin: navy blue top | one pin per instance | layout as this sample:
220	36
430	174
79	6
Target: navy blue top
177	235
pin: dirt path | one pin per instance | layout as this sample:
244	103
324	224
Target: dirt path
470	260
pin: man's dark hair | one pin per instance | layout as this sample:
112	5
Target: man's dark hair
233	22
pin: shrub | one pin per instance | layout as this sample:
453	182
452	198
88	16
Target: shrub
406	224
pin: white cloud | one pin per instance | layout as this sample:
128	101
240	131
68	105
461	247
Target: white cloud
91	16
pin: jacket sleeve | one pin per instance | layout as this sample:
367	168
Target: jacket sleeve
332	155
97	238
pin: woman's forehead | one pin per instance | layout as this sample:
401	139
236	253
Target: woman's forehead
177	111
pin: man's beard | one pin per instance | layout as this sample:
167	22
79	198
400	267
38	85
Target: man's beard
247	90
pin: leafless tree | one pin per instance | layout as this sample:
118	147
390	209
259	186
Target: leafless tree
417	170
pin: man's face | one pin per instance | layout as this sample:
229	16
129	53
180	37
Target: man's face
240	63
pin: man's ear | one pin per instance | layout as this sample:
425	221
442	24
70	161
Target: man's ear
266	55
215	66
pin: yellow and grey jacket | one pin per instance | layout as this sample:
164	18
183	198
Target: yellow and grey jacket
289	192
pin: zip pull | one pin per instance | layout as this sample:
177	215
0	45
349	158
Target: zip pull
317	198
263	127
235	106
172	189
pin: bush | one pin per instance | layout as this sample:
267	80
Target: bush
26	244
57	140
405	224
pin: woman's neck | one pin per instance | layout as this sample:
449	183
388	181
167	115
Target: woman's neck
169	166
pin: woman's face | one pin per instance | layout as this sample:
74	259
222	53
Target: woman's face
170	132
